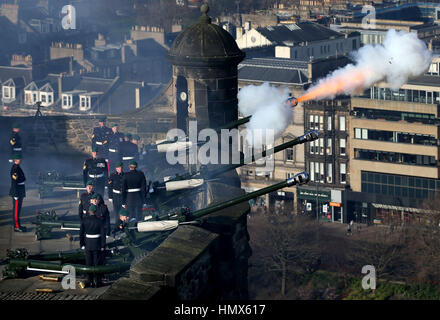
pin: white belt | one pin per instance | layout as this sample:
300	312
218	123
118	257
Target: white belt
116	191
96	175
93	236
112	150
17	149
98	143
134	190
127	158
21	183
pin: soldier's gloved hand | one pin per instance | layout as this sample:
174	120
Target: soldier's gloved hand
107	237
102	249
82	248
151	190
124	206
111	200
15	198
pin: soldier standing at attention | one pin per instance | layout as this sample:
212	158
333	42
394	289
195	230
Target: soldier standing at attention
115	140
134	191
125	150
15	141
100	138
115	189
135	146
96	169
84	202
92	240
131	152
101	212
17	192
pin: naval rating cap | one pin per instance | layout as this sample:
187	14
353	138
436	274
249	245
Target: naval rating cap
123	212
89	183
136	137
119	164
95	149
15	125
16	156
133	163
94	196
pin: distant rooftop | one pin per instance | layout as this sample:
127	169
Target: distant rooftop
298	32
274	70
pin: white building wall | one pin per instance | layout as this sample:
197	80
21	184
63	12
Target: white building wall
252	38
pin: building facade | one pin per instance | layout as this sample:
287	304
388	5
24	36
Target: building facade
394	151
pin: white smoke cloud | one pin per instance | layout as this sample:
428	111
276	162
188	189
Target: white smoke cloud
267	106
401	56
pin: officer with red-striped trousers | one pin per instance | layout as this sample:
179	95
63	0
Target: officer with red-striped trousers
17	192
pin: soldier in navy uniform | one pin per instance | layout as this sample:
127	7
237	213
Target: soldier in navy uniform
92	240
17	192
96	169
115	189
100	138
130	152
124	221
134	193
124	153
115	140
84	202
15	141
101	212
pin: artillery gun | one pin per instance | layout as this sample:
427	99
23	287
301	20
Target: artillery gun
136	240
47	181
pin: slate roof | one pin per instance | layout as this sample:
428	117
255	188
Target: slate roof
273	70
7	72
298	32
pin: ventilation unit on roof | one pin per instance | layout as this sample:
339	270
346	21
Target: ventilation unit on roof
269	28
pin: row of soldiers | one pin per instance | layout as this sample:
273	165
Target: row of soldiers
126	190
113	145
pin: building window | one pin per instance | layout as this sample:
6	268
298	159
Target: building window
329	123
399	185
343	170
6	92
329	173
342	146
316	123
28	98
83	102
49	98
321	123
321	146
342	123
312	171
43	98
321	172
394	157
312	123
357	133
289	154
329	146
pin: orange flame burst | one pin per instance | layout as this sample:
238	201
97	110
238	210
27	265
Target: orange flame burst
346	81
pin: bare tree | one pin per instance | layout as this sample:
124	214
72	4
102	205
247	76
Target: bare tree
385	251
284	244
